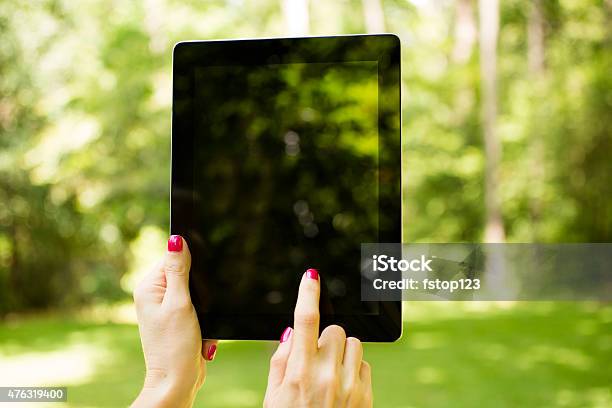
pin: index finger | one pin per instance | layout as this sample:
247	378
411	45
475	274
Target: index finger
306	315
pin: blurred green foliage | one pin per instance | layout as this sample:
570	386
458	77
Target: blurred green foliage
85	97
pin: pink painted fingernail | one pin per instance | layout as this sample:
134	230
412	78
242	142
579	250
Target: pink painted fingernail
312	274
212	350
175	243
286	334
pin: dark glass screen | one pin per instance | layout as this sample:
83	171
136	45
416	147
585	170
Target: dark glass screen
285	156
285	178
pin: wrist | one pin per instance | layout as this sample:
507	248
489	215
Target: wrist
161	390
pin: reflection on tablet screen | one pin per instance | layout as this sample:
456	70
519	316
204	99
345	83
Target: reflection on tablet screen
285	177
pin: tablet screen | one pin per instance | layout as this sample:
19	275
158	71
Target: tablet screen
286	160
285	178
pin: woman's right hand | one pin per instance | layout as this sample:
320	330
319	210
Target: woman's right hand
311	371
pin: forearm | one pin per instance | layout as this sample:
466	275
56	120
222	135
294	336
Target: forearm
161	398
160	392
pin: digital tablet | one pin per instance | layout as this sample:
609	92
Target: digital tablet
286	155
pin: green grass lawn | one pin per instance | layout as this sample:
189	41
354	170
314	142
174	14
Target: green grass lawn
451	355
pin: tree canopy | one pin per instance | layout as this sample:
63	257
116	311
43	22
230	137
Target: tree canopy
85	98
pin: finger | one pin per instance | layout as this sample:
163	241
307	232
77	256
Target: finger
209	349
151	289
176	268
278	362
365	374
351	365
331	344
306	317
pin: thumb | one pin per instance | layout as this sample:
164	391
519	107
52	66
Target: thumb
176	268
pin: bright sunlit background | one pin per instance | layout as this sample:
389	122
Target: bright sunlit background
507	137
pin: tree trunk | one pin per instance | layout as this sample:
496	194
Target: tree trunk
465	31
535	38
536	65
373	16
297	20
489	28
496	280
608	20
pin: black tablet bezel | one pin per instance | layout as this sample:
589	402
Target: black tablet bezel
383	48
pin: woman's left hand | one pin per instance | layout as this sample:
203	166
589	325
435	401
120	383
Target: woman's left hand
173	348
